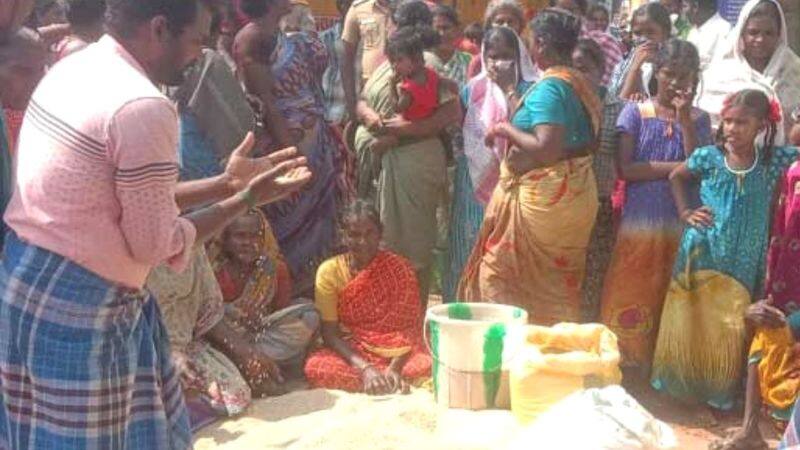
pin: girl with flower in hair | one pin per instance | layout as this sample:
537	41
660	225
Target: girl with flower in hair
773	369
720	267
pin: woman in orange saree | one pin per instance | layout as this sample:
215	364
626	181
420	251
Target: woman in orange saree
531	250
371	315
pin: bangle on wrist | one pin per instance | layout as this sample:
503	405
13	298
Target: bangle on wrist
248	198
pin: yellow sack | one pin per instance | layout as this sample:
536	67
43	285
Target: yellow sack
557	361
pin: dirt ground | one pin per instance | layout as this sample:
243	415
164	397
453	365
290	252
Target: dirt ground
695	427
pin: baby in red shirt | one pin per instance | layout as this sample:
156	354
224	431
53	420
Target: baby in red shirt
417	94
416	87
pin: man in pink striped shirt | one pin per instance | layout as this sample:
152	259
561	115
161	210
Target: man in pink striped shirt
96	205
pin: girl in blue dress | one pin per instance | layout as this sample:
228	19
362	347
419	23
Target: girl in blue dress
720	265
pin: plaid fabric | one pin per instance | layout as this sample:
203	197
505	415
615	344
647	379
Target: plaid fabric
612	50
84	364
598	258
604	164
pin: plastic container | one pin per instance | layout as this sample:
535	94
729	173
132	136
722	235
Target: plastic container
472	345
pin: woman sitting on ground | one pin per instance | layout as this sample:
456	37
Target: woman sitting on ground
373	294
227	339
256	288
220	370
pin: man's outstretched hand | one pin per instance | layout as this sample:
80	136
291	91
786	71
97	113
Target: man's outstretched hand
242	168
288	176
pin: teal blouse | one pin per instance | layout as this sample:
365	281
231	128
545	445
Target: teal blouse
553	101
736	244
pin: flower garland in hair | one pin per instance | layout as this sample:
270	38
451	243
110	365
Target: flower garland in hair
775	111
727	103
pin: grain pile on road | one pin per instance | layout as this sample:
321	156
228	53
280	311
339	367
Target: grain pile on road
332	420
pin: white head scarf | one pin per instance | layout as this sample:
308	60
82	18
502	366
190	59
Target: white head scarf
730	72
487	106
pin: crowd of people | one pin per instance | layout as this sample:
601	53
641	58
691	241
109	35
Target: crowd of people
205	198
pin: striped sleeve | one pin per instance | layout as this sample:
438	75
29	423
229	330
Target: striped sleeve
143	142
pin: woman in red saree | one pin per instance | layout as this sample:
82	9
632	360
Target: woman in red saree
373	295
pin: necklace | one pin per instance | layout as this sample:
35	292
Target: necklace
740	174
669	129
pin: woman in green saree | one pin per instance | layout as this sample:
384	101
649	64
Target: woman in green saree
402	164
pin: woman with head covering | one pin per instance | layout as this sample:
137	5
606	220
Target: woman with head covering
531	251
220	370
610	46
755	56
490	98
257	289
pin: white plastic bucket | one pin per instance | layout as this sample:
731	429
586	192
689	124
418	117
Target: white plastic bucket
472	345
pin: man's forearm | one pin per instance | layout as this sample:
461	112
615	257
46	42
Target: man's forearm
212	220
197	193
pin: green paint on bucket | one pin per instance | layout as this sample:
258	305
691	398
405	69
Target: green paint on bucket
435	349
459	311
493	361
517	313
